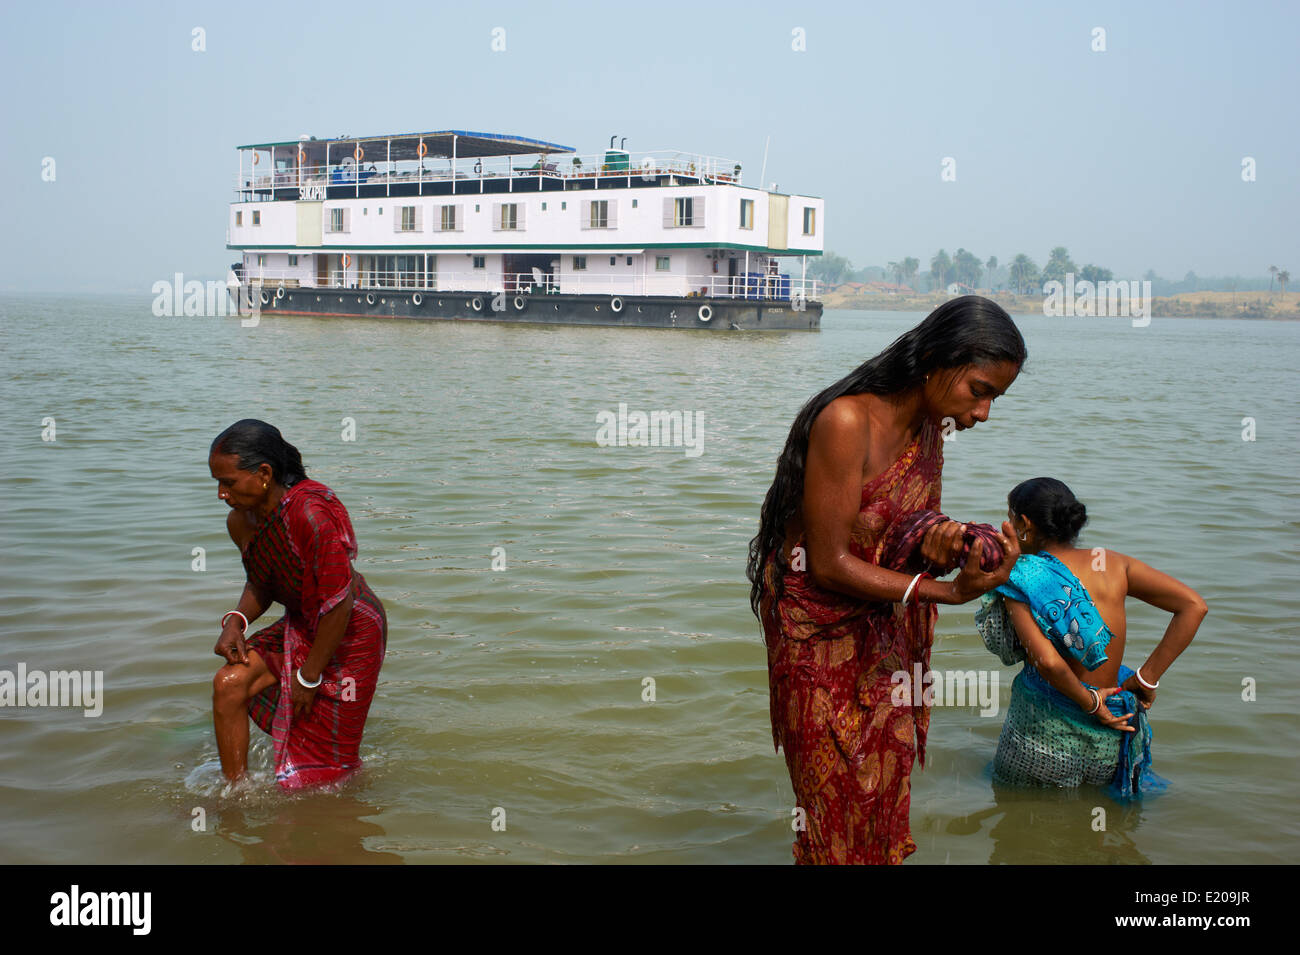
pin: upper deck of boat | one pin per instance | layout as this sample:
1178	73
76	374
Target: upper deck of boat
457	162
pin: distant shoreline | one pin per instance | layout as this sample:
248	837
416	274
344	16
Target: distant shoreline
1259	306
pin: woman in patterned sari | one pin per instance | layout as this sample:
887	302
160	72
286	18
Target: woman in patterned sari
861	459
1078	715
309	678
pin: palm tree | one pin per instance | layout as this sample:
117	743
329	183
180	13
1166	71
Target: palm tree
966	268
1272	271
1058	264
1282	278
940	266
910	266
992	266
1022	272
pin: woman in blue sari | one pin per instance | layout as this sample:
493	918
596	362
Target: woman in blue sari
1077	714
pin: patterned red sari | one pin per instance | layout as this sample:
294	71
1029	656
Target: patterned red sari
830	661
301	556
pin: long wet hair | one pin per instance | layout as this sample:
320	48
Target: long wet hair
969	330
1052	506
257	443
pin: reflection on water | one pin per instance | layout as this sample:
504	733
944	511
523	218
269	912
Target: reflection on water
319	828
1083	826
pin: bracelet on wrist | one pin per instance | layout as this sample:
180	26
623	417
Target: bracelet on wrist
1096	700
1150	686
235	613
908	592
310	686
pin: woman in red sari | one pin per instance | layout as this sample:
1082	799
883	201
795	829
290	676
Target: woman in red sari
861	456
309	678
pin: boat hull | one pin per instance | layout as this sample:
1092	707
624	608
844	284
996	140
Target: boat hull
651	311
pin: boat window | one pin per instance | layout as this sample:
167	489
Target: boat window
683	211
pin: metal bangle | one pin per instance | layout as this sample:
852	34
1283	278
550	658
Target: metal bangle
1096	696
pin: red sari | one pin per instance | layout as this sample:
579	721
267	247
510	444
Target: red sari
830	662
301	556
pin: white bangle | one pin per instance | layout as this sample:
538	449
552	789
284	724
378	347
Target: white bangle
1096	696
908	592
234	613
310	686
1150	686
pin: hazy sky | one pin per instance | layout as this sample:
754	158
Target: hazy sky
1131	157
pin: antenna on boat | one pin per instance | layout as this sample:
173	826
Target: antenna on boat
762	176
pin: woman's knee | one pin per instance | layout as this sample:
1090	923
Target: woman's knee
230	684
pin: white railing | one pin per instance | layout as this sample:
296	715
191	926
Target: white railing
473	173
759	287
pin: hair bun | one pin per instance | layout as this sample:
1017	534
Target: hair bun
1071	517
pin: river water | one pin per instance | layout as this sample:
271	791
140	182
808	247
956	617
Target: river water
541	586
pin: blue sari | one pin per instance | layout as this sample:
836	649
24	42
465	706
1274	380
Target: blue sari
1046	738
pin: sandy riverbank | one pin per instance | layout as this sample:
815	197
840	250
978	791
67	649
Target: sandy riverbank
1274	306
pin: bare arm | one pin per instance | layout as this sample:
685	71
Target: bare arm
329	634
832	495
1054	669
252	605
1160	590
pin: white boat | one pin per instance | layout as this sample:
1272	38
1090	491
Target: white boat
478	226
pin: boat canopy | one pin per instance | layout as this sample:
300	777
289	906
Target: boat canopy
465	143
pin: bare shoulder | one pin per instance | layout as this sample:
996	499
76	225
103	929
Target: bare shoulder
239	527
842	421
1111	562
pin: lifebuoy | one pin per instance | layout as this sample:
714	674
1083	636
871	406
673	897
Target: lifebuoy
616	304
370	298
417	299
279	293
476	303
302	156
266	298
521	303
423	150
358	153
705	313
347	260
255	159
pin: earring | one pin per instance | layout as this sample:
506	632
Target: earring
263	485
1023	538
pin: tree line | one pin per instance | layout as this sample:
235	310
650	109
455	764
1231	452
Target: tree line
1020	275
